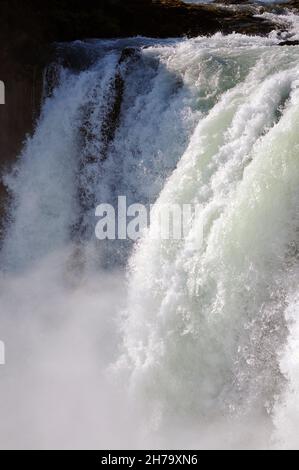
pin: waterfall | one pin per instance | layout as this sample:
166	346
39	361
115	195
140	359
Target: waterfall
193	344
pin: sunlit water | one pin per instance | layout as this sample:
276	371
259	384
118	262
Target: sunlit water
165	343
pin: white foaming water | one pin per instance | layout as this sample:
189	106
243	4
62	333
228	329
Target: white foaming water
199	2
192	345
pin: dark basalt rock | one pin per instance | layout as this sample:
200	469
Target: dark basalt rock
289	43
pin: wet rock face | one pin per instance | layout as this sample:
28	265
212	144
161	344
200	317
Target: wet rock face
23	91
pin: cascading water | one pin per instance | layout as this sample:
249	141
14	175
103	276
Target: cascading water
164	334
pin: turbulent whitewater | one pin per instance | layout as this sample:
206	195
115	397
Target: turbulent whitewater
161	343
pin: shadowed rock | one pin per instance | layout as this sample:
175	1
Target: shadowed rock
95	140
